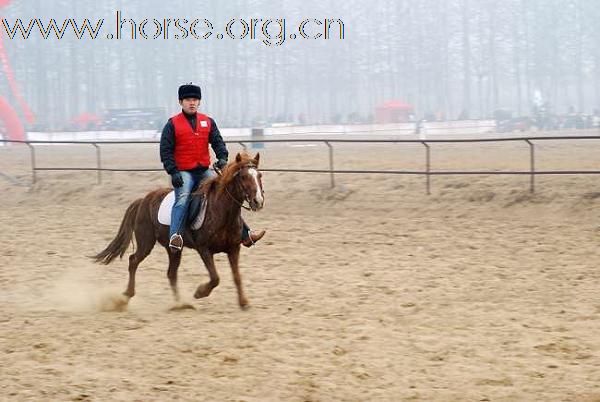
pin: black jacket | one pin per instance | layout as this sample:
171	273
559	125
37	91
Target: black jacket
167	143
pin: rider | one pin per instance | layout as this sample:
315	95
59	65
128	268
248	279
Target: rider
185	156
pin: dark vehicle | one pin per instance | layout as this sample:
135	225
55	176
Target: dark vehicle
135	119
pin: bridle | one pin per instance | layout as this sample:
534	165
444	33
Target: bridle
246	198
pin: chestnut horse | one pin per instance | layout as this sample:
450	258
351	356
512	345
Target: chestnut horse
239	181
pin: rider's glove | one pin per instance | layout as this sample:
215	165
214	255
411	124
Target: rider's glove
219	164
176	179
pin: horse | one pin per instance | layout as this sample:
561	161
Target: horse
239	181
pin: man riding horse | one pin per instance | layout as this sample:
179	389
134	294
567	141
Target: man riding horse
186	158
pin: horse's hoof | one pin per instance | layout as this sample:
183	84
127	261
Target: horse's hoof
245	306
201	292
112	302
182	306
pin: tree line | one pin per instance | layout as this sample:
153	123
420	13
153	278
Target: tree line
448	58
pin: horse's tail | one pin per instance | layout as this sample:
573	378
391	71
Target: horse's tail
120	243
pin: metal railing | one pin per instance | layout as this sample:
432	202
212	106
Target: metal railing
428	172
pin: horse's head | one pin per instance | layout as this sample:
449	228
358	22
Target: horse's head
250	179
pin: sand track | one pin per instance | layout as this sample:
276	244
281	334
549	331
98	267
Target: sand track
371	291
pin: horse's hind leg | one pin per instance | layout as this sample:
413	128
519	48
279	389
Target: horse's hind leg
145	240
205	289
174	261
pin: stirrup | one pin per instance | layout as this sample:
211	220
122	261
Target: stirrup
176	236
250	241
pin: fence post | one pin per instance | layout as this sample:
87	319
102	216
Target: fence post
427	166
33	169
531	166
257	134
98	162
331	163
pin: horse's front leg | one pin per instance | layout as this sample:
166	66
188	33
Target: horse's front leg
209	262
234	260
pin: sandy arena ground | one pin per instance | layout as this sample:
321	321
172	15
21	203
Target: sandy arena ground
372	291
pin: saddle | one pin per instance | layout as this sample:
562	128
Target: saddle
196	211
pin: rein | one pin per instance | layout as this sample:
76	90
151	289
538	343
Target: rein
241	204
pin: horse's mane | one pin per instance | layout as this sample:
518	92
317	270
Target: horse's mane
219	183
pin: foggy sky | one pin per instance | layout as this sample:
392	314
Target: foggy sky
442	56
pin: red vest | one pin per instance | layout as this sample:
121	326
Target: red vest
191	147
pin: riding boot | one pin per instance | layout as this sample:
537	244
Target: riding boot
249	237
176	242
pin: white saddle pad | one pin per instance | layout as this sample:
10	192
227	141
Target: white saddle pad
164	211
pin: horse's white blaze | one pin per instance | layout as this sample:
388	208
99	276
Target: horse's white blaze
259	195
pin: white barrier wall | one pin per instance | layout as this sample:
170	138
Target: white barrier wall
458	127
428	129
94	135
403	128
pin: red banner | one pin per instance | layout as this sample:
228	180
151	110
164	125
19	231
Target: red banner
11	77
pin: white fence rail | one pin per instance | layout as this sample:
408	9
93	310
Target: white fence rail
428	172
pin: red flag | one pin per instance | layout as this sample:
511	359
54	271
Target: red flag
11	78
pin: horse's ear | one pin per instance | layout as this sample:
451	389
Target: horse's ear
257	158
238	158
